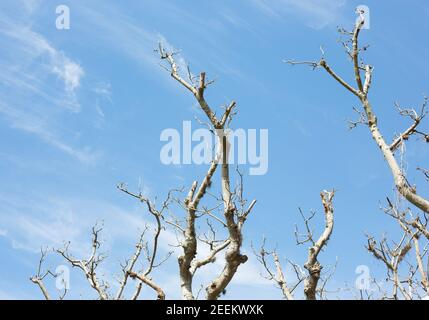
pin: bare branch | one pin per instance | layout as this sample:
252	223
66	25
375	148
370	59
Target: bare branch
322	63
425	172
392	259
130	265
362	119
196	264
355	53
417	118
38	278
89	266
421	268
278	277
187	263
308	236
362	93
150	283
233	256
312	265
151	255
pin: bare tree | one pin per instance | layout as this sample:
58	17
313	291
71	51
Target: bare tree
226	212
231	203
312	265
363	76
233	218
412	226
90	265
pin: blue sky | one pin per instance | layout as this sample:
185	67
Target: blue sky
82	110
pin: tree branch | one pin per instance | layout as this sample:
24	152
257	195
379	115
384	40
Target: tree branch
312	265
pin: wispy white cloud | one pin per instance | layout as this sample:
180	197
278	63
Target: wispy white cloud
49	221
317	14
70	72
29	59
121	32
40	127
38	85
30	5
104	90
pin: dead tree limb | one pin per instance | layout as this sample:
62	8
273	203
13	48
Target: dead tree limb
233	221
391	258
151	256
40	276
361	92
89	266
277	276
413	230
312	265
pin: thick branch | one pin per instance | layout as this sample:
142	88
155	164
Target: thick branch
421	268
325	65
196	264
233	256
150	283
312	265
281	279
355	53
